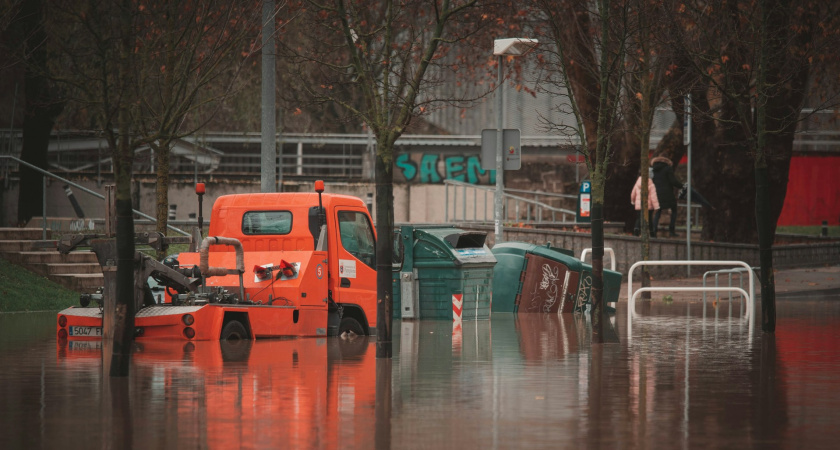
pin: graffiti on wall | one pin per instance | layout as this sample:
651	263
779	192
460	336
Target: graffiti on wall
433	168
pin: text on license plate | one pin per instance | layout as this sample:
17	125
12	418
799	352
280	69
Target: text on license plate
86	331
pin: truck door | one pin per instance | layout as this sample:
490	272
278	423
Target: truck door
356	265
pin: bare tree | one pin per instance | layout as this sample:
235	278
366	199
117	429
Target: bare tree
108	49
752	86
390	55
591	46
188	57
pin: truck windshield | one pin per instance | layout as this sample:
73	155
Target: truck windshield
357	236
267	222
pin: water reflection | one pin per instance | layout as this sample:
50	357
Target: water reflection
690	377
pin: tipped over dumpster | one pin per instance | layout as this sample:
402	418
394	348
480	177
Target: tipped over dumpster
532	278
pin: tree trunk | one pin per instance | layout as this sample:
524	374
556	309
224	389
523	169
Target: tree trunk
384	247
621	176
40	113
124	311
37	125
766	229
123	158
644	223
597	312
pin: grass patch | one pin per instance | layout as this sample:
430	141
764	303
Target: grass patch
22	290
815	230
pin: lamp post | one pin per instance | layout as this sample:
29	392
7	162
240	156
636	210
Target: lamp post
502	48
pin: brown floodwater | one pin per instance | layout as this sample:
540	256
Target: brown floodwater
682	376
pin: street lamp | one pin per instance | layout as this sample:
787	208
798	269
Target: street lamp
502	48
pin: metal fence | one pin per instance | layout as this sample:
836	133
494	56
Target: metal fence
465	202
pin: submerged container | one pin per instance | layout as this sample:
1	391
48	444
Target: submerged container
442	268
530	278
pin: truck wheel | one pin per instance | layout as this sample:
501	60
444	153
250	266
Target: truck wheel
234	330
349	324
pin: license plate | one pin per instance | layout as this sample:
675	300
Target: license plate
86	331
79	346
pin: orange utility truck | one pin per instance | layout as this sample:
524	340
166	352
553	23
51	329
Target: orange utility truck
273	265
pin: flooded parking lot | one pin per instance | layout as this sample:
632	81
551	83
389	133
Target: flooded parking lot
682	376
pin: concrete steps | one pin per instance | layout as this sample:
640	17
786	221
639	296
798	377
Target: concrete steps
78	270
73	268
50	257
18	234
84	282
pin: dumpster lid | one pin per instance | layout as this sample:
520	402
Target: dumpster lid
554	253
454	244
466	239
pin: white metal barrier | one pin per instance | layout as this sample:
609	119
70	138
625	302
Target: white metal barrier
738	271
690	289
587	251
631	296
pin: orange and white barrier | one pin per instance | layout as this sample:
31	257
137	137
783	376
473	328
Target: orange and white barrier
457	330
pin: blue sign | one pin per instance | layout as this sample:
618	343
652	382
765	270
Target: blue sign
584	202
585	187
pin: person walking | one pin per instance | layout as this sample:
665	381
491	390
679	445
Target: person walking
665	181
653	204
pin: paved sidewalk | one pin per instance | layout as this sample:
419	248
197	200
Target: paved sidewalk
790	283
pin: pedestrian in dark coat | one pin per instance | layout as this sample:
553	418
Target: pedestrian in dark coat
665	182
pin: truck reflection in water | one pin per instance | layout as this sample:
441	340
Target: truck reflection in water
231	394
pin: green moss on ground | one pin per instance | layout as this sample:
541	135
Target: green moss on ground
22	290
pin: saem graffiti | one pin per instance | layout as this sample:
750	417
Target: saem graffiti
431	168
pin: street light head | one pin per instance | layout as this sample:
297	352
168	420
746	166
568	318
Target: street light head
513	46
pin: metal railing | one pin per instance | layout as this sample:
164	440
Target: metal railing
77	186
532	210
587	251
739	271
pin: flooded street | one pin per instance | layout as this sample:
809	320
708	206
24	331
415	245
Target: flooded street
682	376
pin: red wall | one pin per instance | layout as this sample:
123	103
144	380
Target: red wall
813	192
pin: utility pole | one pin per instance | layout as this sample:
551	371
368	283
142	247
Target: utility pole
687	142
268	147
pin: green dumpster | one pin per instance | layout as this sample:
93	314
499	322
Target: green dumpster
441	264
530	278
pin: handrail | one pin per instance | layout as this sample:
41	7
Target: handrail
587	250
82	188
690	289
540	193
507	195
738	270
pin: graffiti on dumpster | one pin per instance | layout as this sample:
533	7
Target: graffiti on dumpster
584	290
433	168
549	285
